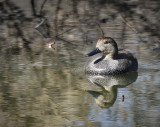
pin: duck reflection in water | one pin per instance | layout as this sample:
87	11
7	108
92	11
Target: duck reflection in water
109	85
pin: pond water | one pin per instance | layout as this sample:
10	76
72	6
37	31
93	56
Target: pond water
50	88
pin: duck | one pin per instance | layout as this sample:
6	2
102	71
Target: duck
107	59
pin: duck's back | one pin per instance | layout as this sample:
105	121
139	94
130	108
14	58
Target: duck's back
124	62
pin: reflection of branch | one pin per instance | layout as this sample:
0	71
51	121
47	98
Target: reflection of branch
43	28
37	26
40	30
42	7
93	23
130	26
33	7
65	41
62	39
65	31
100	29
46	35
123	33
20	33
56	15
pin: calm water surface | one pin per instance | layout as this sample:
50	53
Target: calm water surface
52	89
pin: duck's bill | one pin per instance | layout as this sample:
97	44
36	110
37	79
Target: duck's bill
95	51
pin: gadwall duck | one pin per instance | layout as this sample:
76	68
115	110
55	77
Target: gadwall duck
106	59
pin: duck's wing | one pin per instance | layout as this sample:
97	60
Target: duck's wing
127	61
123	54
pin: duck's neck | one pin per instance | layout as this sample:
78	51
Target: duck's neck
112	54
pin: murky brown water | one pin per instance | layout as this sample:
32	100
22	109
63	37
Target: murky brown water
50	89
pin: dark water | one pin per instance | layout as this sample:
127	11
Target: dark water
41	87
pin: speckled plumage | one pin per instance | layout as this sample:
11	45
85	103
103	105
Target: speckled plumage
122	62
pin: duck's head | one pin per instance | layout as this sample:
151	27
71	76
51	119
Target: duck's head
107	46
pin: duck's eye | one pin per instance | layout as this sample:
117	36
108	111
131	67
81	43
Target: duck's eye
106	42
